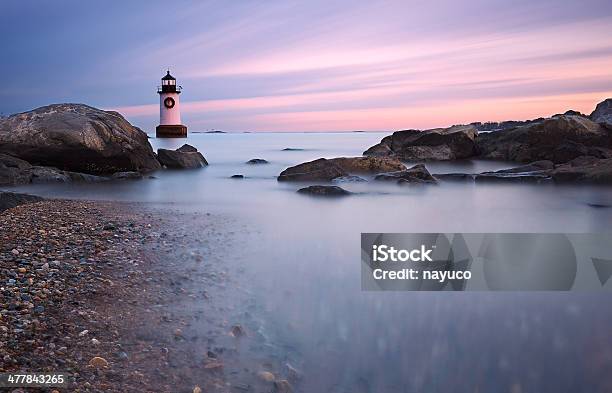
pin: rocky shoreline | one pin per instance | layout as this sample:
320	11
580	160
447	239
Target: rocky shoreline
565	148
90	288
78	143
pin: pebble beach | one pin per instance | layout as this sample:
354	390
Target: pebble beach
105	292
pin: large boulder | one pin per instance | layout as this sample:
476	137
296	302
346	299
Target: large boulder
558	139
329	169
78	138
603	112
416	174
185	157
317	170
456	142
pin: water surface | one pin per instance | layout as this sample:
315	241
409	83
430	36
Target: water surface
302	270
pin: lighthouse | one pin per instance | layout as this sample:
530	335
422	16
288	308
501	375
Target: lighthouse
169	109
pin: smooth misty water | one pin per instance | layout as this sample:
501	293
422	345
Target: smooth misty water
303	270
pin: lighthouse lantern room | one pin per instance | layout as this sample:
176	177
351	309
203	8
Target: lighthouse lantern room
169	109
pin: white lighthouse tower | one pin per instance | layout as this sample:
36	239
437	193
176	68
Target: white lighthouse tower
169	110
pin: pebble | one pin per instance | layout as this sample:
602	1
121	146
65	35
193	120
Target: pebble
283	386
292	373
98	362
266	376
237	331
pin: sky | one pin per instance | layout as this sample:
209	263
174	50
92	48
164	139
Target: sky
316	65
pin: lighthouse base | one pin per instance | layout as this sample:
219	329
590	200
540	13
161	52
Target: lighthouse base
174	131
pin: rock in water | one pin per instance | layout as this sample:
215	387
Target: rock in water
256	161
559	139
185	157
9	200
329	169
323	191
78	138
535	172
451	143
531	167
266	376
349	179
282	386
368	164
584	169
237	331
603	113
317	170
416	174
187	149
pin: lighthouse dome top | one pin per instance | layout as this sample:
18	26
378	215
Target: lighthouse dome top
168	85
168	77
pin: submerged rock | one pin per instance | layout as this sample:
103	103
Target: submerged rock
454	176
535	172
323	190
185	157
256	161
282	386
266	376
559	139
237	331
77	137
451	143
415	174
512	177
535	166
585	169
349	179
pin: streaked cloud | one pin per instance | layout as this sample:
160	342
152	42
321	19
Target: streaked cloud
321	65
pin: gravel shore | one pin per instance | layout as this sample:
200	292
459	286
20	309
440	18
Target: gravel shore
77	294
126	297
